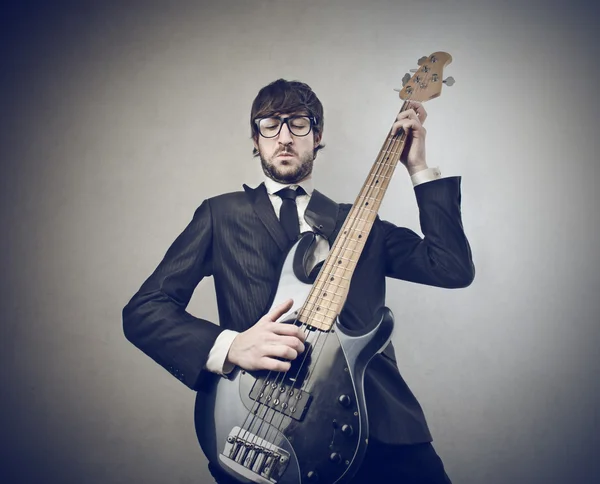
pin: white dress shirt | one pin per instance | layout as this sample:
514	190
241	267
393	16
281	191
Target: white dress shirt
217	358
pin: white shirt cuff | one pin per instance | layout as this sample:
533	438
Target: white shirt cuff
426	175
217	357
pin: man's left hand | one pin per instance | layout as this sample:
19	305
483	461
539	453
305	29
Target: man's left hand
411	121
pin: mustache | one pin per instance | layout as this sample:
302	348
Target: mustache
286	149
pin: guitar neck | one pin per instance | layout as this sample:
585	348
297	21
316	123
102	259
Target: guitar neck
329	292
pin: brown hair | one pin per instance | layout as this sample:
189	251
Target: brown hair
283	96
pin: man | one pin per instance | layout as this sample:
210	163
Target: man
241	239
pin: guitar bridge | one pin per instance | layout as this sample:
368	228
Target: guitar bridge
254	458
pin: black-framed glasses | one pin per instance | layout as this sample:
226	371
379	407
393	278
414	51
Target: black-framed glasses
298	125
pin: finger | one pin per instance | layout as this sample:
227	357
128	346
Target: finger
292	342
407	125
271	364
280	310
286	329
417	111
418	108
409	113
280	351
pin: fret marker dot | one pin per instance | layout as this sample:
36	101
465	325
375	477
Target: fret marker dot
331	279
360	236
339	262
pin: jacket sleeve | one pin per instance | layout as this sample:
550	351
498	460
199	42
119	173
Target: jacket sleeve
155	319
443	256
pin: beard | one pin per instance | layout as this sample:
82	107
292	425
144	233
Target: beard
287	176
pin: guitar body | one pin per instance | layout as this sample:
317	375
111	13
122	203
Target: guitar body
307	425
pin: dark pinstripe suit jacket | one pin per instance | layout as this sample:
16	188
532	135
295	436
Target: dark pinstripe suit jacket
237	238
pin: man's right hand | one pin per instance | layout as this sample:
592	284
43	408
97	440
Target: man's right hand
258	347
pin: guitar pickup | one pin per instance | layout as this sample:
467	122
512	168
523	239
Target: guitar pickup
281	397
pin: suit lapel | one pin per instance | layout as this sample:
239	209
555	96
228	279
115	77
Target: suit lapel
322	214
259	198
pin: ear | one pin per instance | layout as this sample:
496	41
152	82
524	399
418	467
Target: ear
255	141
317	140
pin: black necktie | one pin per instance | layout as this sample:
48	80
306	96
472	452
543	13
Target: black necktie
288	216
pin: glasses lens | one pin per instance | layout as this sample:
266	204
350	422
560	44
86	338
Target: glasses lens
298	125
269	127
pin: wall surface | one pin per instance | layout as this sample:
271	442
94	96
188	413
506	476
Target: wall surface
119	118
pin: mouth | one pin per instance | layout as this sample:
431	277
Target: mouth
285	154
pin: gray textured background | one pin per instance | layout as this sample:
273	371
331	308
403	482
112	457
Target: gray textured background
119	118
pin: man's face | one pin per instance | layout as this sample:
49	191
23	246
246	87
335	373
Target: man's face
287	158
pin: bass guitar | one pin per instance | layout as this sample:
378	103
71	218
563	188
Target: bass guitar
310	423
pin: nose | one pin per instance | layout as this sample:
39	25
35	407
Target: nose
285	135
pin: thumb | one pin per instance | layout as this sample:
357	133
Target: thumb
280	310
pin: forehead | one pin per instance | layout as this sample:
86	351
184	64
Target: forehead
287	114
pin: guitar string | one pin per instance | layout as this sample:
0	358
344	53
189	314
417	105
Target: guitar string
388	150
274	428
394	146
396	142
398	139
370	188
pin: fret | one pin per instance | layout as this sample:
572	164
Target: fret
353	250
356	219
381	176
322	312
357	230
374	185
359	219
330	294
377	190
319	325
331	298
346	284
311	318
319	318
330	284
340	277
343	258
318	301
364	209
359	241
347	248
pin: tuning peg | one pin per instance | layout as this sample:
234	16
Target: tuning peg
405	80
449	81
413	70
422	60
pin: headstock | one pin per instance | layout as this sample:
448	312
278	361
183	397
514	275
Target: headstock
426	83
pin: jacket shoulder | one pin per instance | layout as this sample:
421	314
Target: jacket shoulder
226	198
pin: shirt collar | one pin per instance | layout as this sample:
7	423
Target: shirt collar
273	186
